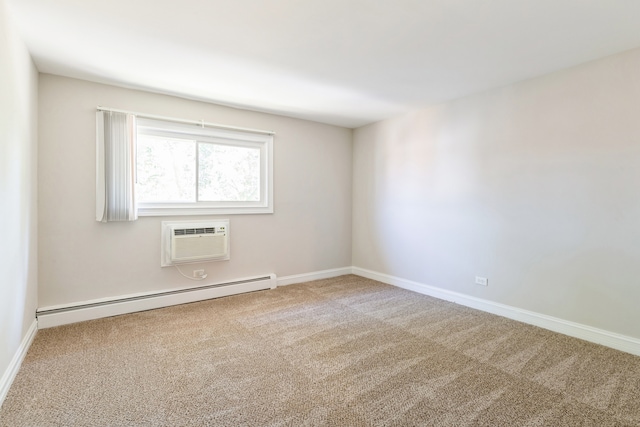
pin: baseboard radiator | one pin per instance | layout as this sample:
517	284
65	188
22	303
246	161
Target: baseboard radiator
60	315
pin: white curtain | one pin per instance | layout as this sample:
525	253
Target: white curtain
115	166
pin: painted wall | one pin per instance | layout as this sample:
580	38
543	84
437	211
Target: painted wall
18	198
81	259
535	186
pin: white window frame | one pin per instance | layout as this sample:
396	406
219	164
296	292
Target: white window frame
236	138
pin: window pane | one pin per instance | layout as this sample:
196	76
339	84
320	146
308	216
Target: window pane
228	173
165	169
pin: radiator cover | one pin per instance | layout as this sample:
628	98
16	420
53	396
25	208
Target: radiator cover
105	307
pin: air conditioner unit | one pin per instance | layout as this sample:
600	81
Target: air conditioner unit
194	241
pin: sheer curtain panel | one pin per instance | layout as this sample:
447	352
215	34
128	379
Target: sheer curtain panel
115	166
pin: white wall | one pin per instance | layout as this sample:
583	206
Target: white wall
18	199
81	259
535	186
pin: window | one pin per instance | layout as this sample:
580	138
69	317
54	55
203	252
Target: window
185	169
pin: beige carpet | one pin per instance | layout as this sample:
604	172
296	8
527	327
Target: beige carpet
338	352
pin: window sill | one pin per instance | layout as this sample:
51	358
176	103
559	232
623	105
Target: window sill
186	211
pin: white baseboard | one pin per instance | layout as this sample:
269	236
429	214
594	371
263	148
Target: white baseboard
95	309
576	330
14	366
105	307
317	275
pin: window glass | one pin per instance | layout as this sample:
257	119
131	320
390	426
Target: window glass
227	173
186	170
166	169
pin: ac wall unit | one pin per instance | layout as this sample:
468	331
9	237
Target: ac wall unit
194	241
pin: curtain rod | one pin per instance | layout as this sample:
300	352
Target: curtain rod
191	122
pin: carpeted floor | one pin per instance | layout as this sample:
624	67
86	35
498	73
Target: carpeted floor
346	351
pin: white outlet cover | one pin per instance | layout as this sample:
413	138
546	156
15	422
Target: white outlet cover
482	281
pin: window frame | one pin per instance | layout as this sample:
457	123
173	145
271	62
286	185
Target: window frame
202	134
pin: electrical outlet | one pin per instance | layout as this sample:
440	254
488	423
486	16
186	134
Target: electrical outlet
198	273
483	281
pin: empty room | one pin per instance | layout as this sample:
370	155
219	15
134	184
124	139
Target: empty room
320	213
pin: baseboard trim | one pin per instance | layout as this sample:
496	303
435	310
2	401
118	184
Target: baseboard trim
576	330
317	275
106	307
14	366
82	313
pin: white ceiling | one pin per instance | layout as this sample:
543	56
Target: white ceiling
344	62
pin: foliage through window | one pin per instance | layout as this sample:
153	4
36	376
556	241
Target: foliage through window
185	169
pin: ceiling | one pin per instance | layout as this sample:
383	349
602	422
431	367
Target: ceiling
343	62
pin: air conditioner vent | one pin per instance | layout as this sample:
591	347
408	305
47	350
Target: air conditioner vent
186	231
194	241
